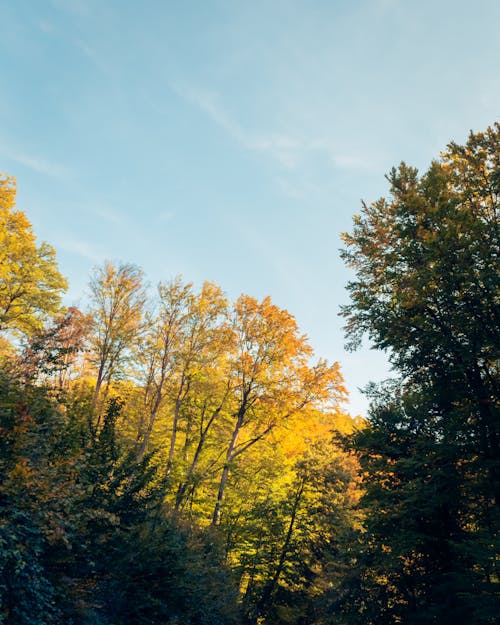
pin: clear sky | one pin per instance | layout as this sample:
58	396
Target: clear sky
233	140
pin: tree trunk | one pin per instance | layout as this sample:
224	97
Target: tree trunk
175	426
227	464
271	586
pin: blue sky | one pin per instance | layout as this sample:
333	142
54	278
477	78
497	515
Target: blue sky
232	141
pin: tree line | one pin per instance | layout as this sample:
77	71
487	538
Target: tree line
174	457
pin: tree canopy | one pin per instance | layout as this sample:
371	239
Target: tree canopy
30	282
172	456
427	290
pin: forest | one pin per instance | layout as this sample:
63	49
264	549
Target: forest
170	457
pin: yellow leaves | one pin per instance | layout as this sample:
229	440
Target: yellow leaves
22	471
119	300
268	343
30	282
265	324
7	192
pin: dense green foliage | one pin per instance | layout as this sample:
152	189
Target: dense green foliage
428	290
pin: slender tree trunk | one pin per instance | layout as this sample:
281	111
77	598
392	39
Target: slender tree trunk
286	544
227	464
175	426
271	586
181	491
158	397
98	384
147	434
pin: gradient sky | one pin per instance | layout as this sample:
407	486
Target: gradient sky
232	141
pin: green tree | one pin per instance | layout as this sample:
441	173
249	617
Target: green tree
427	287
30	283
28	517
427	290
290	555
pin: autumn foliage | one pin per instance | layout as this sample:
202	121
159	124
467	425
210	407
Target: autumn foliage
170	456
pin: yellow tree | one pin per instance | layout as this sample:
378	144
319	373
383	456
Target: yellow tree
205	314
118	301
30	283
181	350
160	354
271	379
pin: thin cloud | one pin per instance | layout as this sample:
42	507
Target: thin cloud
108	214
166	216
285	149
288	150
386	5
35	163
95	58
46	27
353	162
70	244
76	7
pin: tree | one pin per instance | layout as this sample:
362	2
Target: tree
427	289
288	547
200	346
30	283
33	492
57	351
271	379
159	357
84	537
182	348
119	298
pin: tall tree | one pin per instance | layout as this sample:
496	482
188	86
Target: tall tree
204	331
427	289
118	304
427	265
30	282
159	354
271	379
183	343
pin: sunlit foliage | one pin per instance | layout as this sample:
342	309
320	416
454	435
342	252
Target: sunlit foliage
30	283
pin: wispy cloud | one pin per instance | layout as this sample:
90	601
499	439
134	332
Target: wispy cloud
94	57
31	161
283	148
76	7
289	150
69	243
108	214
385	5
46	26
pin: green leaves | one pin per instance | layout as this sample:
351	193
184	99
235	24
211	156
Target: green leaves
427	289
